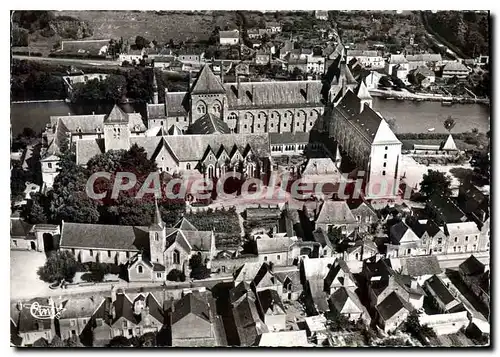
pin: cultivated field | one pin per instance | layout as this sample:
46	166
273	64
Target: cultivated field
162	26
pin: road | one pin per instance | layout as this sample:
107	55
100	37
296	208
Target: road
70	61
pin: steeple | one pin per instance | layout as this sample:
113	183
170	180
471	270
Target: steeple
157	220
363	94
155	89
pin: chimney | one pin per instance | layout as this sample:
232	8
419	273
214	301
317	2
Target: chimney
413	284
222	72
189	81
252	93
166	101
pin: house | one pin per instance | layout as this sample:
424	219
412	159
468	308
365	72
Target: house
373	79
193	322
297	63
190	55
427	60
420	268
100	324
327	249
163	62
403	241
265	279
361	250
284	339
364	213
432	237
441	295
273	310
246	314
392	312
30	328
423	76
321	15
346	302
406	287
132	56
75	318
279	249
253	33
313	274
368	58
462	237
395	60
455	69
339	276
400	71
474	203
242	69
473	273
262	58
335	214
316	328
273	27
444	210
315	65
289	277
228	38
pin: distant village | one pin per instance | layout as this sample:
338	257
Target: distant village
404	266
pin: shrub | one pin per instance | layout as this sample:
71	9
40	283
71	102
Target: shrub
59	266
176	275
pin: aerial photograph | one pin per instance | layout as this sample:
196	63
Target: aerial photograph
272	178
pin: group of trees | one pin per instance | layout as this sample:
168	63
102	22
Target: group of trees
111	89
59	266
198	267
68	200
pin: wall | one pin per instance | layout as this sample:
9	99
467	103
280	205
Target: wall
377	169
445	323
117	257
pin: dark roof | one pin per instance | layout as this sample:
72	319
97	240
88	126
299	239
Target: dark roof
418	266
471	266
124	308
100	236
28	323
397	231
158	267
419	229
339	265
288	138
207	82
470	199
438	287
117	115
368	122
261	273
190	304
446	208
391	305
209	124
248	322
240	290
155	309
290	276
270	300
19	228
345	76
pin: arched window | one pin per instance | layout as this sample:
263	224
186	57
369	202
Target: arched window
188	166
201	108
139	269
176	257
232	116
156	237
210	171
216	108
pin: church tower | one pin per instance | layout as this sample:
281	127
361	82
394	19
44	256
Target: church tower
155	89
116	130
341	82
157	238
207	95
363	94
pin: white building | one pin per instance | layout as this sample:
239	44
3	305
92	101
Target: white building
229	38
369	59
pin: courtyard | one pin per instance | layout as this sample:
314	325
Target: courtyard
24	281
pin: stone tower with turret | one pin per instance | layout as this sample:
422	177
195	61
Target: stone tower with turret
157	238
116	130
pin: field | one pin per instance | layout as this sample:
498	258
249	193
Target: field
159	26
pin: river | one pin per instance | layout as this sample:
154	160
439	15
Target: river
411	117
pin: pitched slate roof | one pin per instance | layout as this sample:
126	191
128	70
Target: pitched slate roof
344	76
209	124
28	323
317	268
293	275
394	59
289	138
426	57
185	225
391	305
270	300
417	266
207	82
190	304
239	291
19	228
419	229
341	297
248	322
449	144
339	265
177	236
399	230
335	212
199	240
471	266
117	115
177	103
100	236
155	309
123	308
455	66
229	34
247	272
287	94
446	208
193	147
81	307
438	287
364	53
274	245
361	91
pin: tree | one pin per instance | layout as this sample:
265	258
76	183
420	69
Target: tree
392	124
119	341
480	163
41	342
413	327
336	321
73	341
449	123
36	213
198	268
435	182
385	81
148	340
176	275
141	42
59	266
57	342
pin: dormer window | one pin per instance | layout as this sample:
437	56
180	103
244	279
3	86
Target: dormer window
79	130
97	129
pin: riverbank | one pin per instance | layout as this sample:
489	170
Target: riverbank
420	97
